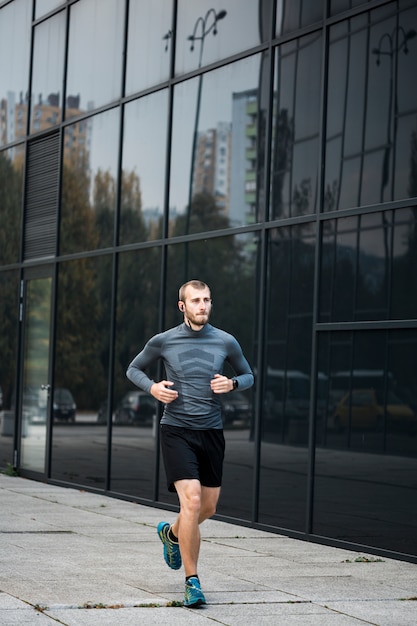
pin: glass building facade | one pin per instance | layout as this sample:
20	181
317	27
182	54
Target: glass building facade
266	147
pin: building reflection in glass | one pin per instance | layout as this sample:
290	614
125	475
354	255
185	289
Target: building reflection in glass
366	451
287	378
371	114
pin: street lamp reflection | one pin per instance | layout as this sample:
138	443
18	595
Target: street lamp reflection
396	42
202	28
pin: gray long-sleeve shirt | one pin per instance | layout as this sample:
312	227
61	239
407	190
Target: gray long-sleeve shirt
191	359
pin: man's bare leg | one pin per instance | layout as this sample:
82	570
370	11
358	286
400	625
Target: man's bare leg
197	504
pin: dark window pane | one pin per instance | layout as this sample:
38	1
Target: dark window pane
367	431
89	183
235	24
47	73
337	6
11	193
15	21
148	61
79	449
217	145
231	275
295	149
296	14
286	390
95	55
9	307
371	105
134	413
404	265
144	160
361	258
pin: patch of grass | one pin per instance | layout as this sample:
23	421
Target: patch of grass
9	470
142	605
364	559
100	605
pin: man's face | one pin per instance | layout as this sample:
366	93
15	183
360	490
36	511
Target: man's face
197	306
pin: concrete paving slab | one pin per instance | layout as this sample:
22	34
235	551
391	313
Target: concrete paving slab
64	549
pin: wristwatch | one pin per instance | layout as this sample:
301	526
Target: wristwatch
235	384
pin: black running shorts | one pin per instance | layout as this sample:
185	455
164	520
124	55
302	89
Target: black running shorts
190	453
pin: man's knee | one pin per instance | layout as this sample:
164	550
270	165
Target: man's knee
209	499
189	493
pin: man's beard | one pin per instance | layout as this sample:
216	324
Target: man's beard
199	320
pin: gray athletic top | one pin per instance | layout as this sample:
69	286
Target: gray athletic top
191	359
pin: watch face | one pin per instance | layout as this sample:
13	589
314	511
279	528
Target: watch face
235	383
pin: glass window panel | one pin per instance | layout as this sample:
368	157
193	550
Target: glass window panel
296	14
231	275
349	182
404	265
405	180
339	267
375	253
11	197
332	174
303	199
336	94
381	123
371	415
95	55
148	58
286	389
337	6
360	259
89	183
355	97
235	24
15	22
135	413
144	159
9	307
44	6
79	451
47	73
295	148
217	145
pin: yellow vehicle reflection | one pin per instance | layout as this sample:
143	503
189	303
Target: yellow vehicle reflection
365	409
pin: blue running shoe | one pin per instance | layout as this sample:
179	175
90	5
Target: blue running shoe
194	597
172	554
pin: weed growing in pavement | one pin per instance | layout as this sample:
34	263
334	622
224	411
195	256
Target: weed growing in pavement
10	470
364	559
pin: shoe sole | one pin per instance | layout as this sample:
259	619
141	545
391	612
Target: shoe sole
195	604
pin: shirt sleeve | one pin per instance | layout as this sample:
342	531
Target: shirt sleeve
241	367
136	370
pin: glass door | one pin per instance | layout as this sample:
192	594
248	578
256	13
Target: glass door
35	387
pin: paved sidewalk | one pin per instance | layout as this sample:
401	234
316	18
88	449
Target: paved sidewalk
76	558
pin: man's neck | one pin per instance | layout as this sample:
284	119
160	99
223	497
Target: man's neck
194	327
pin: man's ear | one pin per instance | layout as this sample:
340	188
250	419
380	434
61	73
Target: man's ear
181	306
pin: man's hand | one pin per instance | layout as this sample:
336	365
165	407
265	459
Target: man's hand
221	384
161	391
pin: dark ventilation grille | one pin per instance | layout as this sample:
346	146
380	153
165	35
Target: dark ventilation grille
42	176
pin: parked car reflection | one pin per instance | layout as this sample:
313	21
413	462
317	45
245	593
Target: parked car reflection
365	409
235	408
35	405
64	407
136	407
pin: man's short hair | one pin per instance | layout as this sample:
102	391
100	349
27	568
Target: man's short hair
197	284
